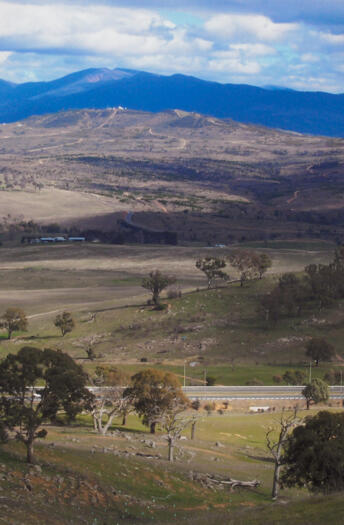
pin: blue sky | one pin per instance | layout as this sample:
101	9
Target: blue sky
296	43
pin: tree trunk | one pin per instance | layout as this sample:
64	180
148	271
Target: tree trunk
193	428
29	451
275	484
170	449
124	419
152	427
308	402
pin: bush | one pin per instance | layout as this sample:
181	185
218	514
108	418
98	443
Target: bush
211	380
196	404
161	307
173	293
209	407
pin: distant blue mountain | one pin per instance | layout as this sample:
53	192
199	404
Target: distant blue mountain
305	112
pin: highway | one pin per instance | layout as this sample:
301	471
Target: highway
242	392
253	392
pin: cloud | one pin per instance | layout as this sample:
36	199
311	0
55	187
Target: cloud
95	29
247	27
4	55
332	38
247	41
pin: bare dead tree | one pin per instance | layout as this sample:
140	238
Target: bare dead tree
173	422
109	403
283	426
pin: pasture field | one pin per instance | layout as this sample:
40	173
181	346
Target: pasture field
119	478
218	330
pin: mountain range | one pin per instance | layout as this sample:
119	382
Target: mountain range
316	113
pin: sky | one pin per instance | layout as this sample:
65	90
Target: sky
297	44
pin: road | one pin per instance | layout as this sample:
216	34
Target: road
245	392
253	392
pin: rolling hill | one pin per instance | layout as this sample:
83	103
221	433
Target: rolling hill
212	180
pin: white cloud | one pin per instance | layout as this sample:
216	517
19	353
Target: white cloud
246	27
69	27
4	55
254	49
231	62
332	38
310	58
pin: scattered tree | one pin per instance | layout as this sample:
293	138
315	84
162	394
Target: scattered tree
294	377
13	319
275	444
153	393
24	409
262	262
110	401
314	454
245	262
212	268
319	349
173	423
156	282
315	392
64	322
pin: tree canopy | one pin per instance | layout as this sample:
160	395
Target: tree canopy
212	268
64	322
319	349
249	264
315	392
154	393
13	319
314	454
294	377
156	282
23	409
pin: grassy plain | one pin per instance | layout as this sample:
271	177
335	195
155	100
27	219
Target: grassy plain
88	478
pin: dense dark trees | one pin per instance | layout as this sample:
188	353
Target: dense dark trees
23	410
319	349
314	454
318	288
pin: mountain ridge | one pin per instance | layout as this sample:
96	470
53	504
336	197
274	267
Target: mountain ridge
316	113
